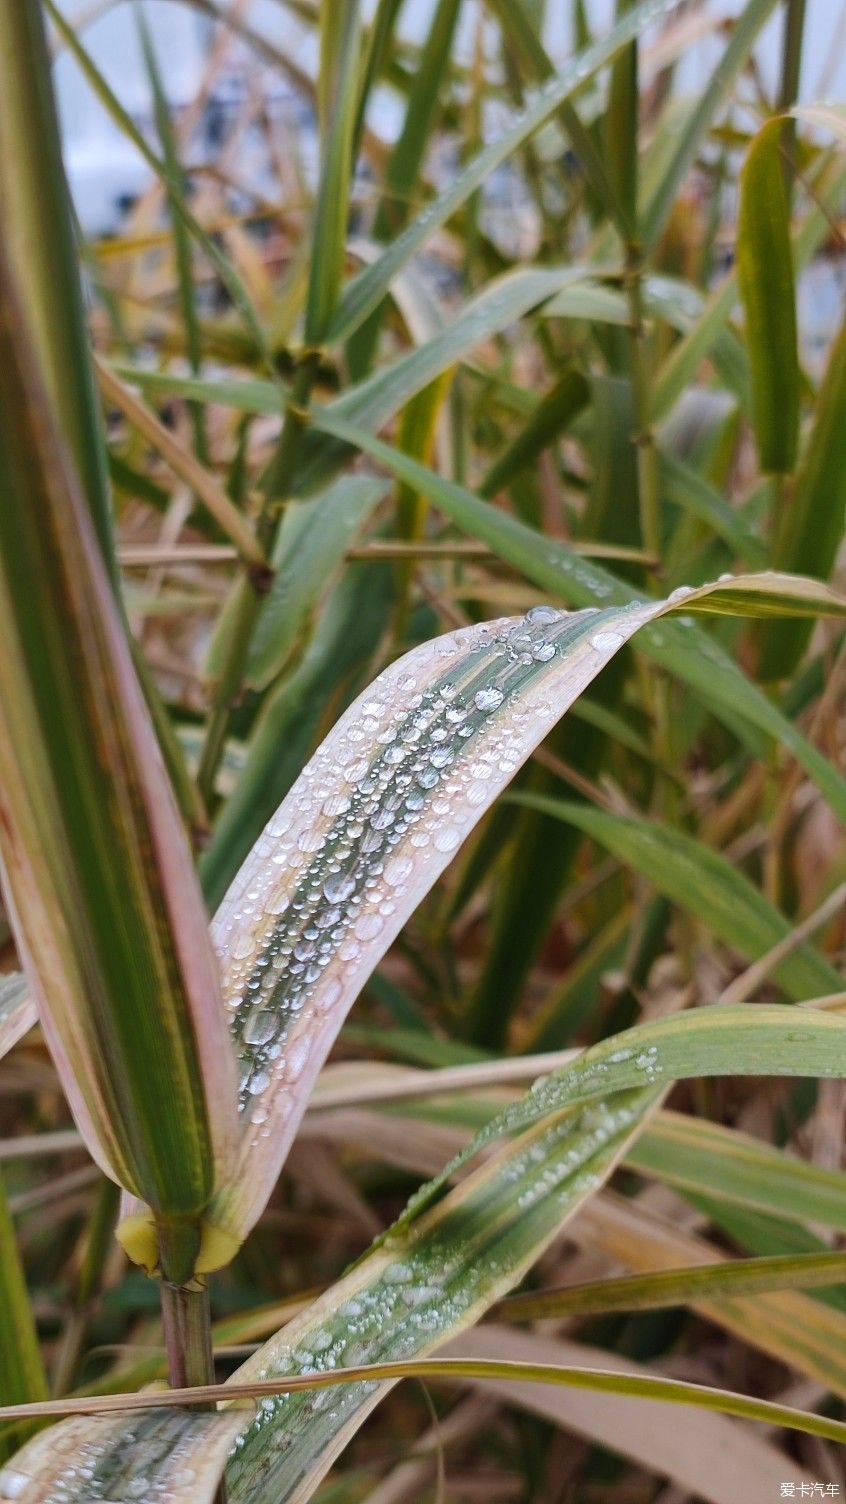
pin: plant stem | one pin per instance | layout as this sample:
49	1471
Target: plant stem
648	476
186	1321
791	67
187	1334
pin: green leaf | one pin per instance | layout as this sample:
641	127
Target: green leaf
679	1287
765	280
310	546
373	401
565	399
340	43
107	912
181	242
705	884
732	59
688	489
620	124
366	290
711	1160
552	566
40	241
406	159
681	365
22	1377
762	1040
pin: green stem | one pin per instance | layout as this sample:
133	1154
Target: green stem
791	67
648	472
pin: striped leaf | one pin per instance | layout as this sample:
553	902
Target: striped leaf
718	1041
441	1265
401	1301
375	818
98	876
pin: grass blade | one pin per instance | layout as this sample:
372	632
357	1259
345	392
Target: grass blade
107	912
811	528
406	159
744	34
670	1287
765	281
340	43
705	884
22	1377
40	241
366	290
310	547
551	565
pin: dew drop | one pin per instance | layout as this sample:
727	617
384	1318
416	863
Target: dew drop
12	1483
488	699
260	1027
606	642
542	614
338	887
447	839
368	926
543	651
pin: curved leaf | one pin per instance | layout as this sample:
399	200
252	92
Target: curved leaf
717	1041
106	910
551	565
375	818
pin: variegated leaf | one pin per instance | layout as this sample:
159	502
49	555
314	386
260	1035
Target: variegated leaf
402	1300
98	878
375	818
166	1456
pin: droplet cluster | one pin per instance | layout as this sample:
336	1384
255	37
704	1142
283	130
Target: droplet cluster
426	1284
152	1459
374	818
